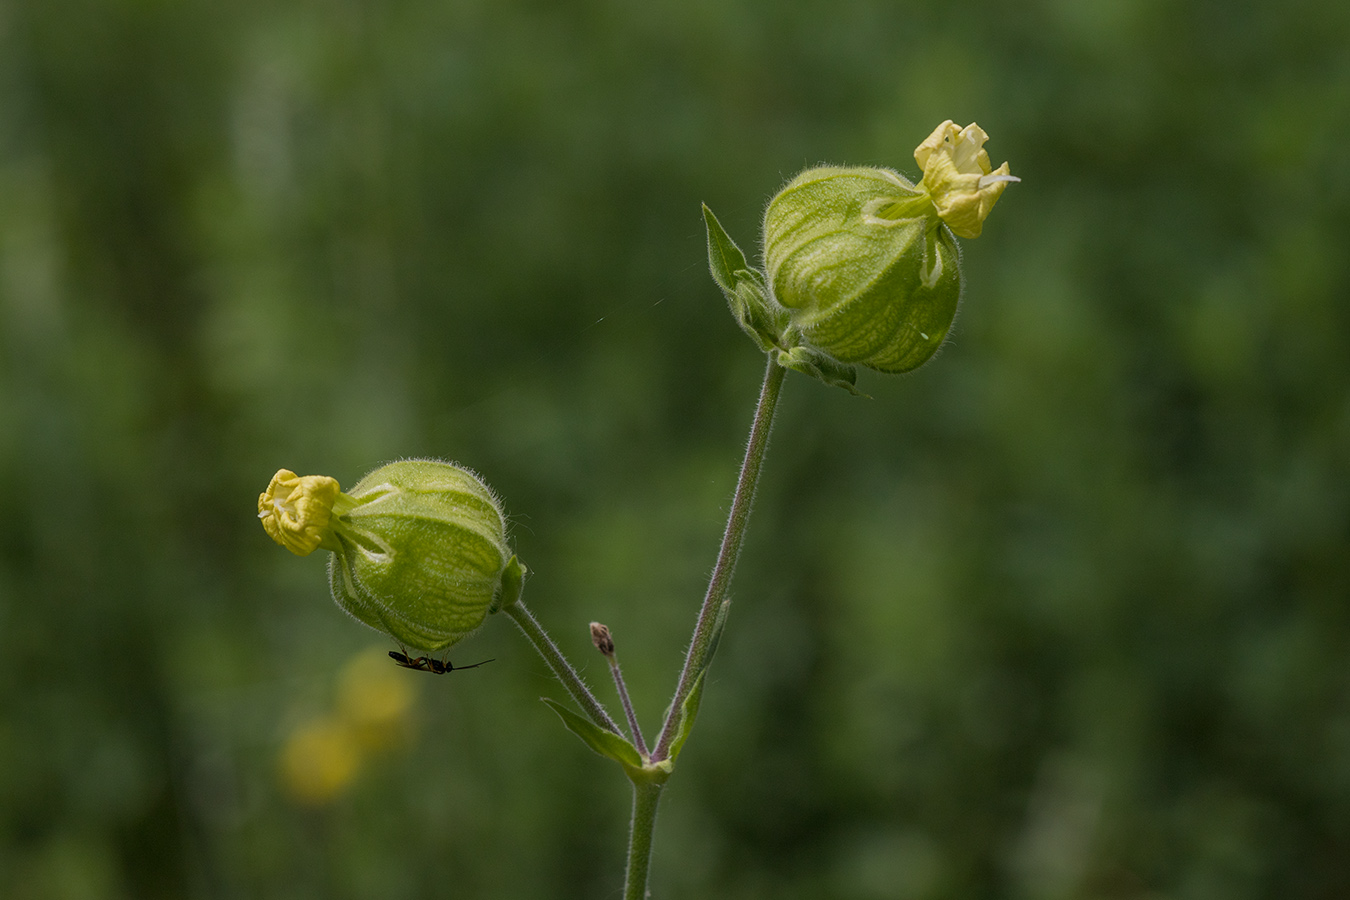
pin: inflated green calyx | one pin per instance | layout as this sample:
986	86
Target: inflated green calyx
419	548
864	265
861	266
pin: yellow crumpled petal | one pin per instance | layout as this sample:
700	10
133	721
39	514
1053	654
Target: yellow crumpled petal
295	510
958	176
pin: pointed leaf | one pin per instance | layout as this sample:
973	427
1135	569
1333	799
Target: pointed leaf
744	286
719	624
688	713
724	257
606	743
758	317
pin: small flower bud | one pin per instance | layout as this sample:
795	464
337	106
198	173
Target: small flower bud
602	639
419	547
865	262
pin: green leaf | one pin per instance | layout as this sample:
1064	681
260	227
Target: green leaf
821	366
689	708
725	259
746	291
719	623
606	743
755	313
688	713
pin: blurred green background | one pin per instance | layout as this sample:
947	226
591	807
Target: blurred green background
1061	615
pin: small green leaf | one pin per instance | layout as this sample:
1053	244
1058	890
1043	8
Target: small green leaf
746	291
689	708
725	259
606	743
719	623
688	713
822	366
756	315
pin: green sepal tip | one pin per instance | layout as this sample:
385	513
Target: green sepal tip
513	585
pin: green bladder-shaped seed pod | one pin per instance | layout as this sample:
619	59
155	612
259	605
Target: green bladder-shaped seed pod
866	269
419	547
866	262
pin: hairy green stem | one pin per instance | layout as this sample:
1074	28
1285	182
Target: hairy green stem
646	796
622	688
560	666
697	657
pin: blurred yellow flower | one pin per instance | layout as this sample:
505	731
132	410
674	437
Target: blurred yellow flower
373	700
958	176
295	510
319	760
324	755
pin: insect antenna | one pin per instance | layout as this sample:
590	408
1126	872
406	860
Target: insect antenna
451	667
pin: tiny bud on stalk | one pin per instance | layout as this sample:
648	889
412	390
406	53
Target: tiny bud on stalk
601	638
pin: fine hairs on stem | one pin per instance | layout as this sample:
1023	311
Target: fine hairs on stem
604	642
562	669
697	658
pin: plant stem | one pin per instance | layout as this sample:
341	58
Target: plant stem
627	706
697	657
646	796
560	666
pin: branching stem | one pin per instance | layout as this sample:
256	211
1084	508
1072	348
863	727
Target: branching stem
560	666
647	794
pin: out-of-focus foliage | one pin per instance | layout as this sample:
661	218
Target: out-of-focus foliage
1066	614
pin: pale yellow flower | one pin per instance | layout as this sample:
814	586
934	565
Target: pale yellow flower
959	178
296	510
319	760
375	700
